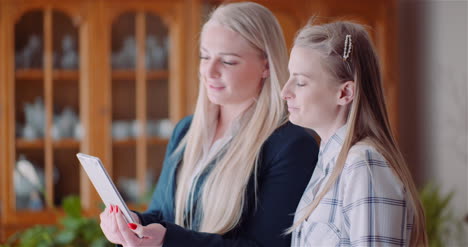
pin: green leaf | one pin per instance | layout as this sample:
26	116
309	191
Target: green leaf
101	242
65	237
72	206
75	230
71	223
439	215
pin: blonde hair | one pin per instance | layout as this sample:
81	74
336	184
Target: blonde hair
368	118
221	201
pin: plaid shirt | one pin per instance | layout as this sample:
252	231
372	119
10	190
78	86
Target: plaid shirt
366	206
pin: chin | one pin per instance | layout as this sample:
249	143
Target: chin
297	122
215	100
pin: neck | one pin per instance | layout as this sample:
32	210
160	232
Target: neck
329	129
227	114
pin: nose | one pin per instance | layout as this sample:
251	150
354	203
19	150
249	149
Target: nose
286	93
211	69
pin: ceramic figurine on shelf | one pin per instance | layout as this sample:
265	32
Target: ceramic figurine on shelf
165	48
29	183
155	54
135	128
69	58
128	186
65	124
30	55
125	58
29	132
164	128
34	119
35	201
152	128
121	130
78	132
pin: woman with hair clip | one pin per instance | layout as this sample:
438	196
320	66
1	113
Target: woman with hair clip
361	192
235	171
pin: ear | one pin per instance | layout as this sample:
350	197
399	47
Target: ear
266	71
346	93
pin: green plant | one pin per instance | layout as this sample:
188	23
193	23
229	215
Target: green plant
441	225
73	230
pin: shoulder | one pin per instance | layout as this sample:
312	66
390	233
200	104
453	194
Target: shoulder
366	165
363	154
290	140
289	133
182	127
184	123
180	130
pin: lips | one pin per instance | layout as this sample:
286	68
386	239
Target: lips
216	86
292	108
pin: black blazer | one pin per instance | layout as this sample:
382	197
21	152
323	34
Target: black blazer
286	163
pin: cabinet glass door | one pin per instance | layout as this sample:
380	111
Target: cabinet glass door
47	125
67	131
140	118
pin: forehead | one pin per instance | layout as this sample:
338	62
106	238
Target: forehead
218	38
305	61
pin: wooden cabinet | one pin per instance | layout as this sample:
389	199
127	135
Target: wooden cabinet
125	70
99	77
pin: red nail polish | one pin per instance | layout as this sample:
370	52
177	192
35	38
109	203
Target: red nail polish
111	208
116	209
132	226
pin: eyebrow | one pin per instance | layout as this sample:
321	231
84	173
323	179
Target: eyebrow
224	53
302	74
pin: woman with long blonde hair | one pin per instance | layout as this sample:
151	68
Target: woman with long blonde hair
361	192
230	166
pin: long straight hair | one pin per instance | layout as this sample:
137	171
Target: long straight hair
368	118
220	203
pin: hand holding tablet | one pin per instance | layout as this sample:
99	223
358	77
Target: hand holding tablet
103	184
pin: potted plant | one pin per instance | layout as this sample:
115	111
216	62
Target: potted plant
441	225
74	230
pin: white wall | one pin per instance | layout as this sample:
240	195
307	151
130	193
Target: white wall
433	94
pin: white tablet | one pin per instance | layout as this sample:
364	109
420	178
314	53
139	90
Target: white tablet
103	184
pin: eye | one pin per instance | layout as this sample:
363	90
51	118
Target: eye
300	84
229	63
203	57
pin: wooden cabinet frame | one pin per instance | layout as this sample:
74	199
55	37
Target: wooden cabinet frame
94	21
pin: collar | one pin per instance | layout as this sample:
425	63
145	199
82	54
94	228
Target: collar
233	129
332	147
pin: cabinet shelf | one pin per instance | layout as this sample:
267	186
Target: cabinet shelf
132	141
122	74
45	216
38	74
158	141
67	143
39	144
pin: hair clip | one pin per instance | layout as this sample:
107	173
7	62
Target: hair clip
348	46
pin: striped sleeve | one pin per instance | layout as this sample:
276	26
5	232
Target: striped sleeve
374	205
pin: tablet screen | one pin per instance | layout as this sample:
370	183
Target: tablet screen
103	184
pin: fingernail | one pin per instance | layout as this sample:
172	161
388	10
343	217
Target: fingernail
116	209
111	208
132	226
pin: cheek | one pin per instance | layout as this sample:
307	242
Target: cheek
313	104
245	80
